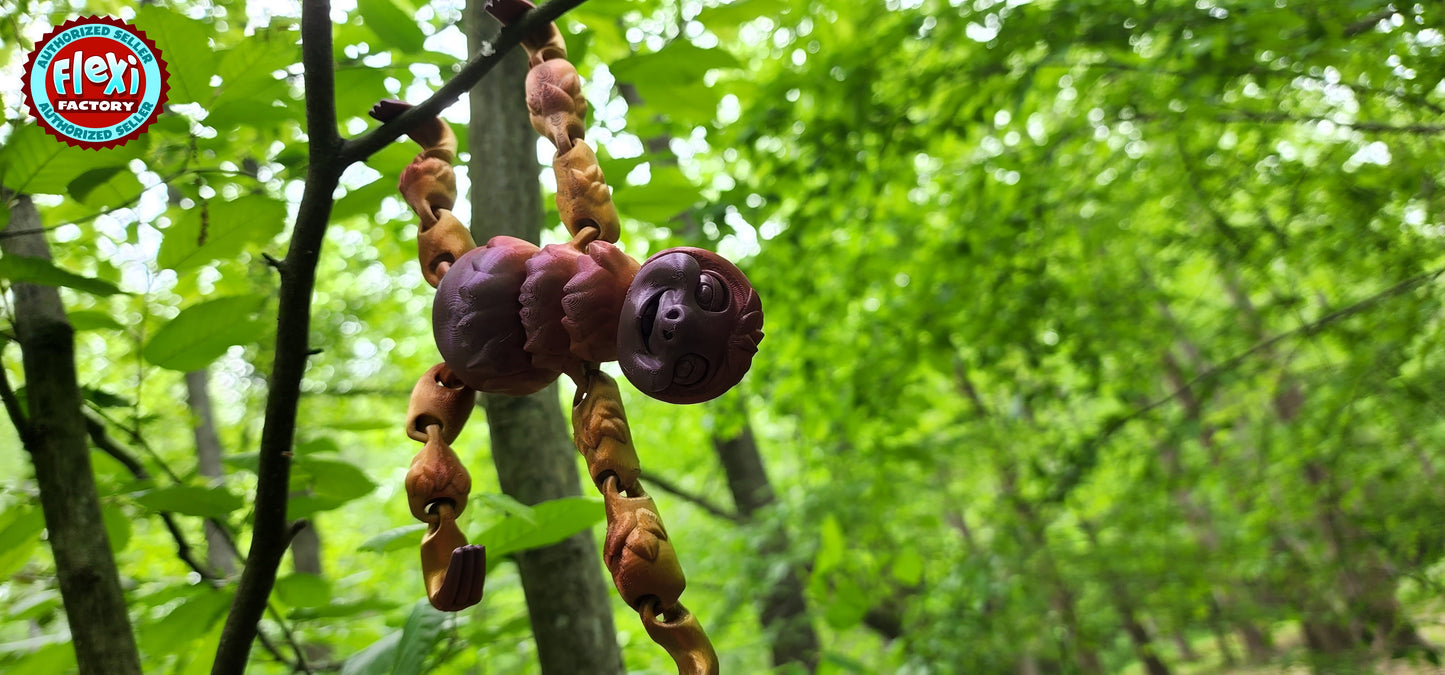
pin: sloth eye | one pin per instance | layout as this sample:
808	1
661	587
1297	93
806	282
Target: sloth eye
711	295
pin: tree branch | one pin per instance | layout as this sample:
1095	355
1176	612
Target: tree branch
1213	372
692	497
12	404
184	550
271	532
361	147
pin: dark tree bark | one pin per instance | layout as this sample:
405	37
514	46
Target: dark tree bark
567	597
55	436
208	459
783	608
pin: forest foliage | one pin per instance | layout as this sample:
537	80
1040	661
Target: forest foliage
1101	336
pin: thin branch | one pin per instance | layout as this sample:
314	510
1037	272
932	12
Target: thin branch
1360	125
1235	361
12	406
270	539
1368	23
136	438
692	497
361	147
184	550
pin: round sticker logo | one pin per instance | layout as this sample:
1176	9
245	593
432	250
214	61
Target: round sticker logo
95	82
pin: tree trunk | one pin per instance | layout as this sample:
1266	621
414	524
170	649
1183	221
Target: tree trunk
567	597
219	556
783	608
55	436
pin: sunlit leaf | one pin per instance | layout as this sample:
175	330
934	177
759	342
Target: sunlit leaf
392	24
679	62
220	229
34	162
190	500
304	590
556	520
183	42
395	539
203	332
43	272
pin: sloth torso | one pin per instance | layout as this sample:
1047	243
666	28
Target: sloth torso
509	317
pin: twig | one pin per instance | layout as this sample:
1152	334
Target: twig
364	146
184	550
136	438
12	405
1311	328
692	497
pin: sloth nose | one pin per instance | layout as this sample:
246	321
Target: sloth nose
670	319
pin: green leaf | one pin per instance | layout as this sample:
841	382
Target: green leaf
117	526
392	24
665	195
249	68
338	610
680	62
831	547
193	619
217	229
105	399
35	163
329	483
401	652
190	500
183	42
304	590
45	273
89	319
418	638
245	461
847	605
556	520
506	504
908	567
20	529
394	539
202	333
376	659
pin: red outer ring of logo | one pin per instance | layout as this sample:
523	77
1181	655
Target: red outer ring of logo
86	21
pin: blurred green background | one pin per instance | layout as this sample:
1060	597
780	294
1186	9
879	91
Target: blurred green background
1103	336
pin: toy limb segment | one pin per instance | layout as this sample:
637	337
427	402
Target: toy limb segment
583	198
439	398
637	551
683	638
430	188
454	571
437	486
559	114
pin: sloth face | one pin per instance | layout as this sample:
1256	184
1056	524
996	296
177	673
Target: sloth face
690	325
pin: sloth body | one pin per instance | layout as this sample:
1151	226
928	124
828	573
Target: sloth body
510	317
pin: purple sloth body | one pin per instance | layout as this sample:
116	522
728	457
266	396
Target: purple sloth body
509	317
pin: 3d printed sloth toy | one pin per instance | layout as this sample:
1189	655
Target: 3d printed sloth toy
509	318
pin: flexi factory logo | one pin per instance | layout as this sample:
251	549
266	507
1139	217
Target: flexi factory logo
95	82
